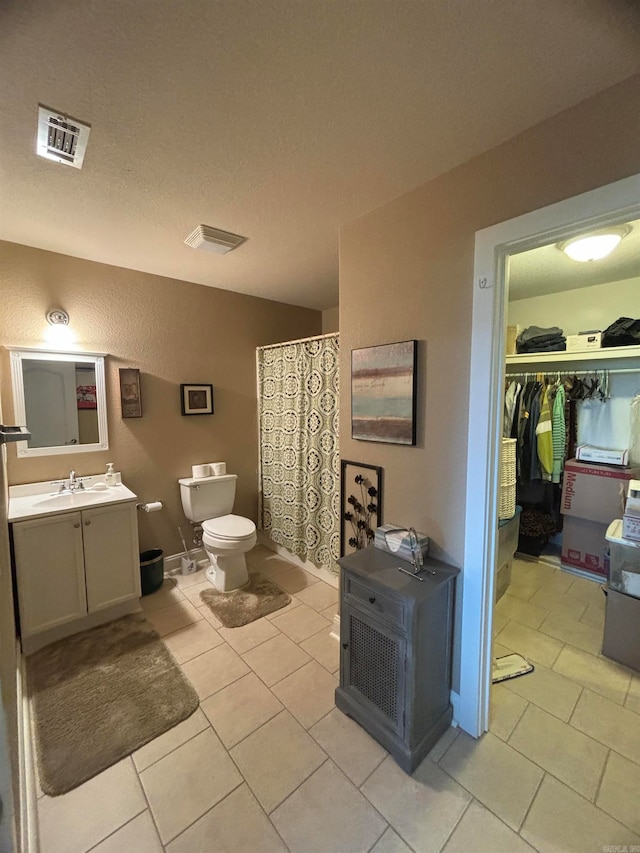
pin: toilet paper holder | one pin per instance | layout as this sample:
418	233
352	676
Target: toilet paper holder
152	506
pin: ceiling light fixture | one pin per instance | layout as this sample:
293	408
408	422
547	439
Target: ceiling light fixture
594	246
57	317
213	240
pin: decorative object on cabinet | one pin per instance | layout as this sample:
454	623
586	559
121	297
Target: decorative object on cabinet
383	393
360	504
196	399
395	656
130	395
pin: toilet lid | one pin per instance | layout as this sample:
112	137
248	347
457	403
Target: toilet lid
229	527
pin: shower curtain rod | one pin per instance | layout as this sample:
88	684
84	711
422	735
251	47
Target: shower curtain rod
300	340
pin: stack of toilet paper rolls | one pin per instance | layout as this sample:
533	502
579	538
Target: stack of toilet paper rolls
209	469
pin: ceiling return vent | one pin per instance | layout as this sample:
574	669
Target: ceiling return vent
61	138
213	240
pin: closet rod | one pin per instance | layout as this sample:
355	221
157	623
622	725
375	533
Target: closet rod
573	372
300	341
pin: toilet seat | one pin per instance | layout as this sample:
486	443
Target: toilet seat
229	527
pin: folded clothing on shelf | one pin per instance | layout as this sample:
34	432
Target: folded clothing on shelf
540	339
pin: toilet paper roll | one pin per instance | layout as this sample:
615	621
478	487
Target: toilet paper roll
198	471
219	468
152	506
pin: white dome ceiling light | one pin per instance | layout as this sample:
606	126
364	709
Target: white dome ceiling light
594	246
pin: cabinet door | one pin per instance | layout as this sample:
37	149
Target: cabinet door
111	558
49	572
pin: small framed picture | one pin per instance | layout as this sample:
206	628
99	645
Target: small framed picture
130	399
196	399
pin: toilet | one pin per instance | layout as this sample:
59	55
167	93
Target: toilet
226	538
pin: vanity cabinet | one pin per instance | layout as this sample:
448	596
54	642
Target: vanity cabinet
72	564
395	656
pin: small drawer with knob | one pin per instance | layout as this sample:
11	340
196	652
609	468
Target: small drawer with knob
360	594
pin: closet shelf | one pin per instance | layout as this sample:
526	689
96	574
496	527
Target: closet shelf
563	357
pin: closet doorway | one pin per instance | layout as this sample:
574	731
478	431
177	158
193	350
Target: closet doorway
613	204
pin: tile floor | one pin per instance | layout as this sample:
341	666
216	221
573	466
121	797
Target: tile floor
267	763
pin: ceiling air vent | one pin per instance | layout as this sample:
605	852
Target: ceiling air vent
213	240
61	138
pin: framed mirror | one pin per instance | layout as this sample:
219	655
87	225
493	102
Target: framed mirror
61	397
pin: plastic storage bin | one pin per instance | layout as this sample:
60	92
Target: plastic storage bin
624	561
151	570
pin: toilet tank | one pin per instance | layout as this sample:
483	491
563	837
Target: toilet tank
207	497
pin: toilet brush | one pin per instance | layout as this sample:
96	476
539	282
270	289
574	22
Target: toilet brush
188	565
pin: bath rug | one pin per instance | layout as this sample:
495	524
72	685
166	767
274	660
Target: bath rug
99	695
259	597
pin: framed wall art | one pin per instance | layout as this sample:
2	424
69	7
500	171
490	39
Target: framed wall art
383	393
130	398
360	504
196	399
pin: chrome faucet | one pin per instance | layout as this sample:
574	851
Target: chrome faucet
74	483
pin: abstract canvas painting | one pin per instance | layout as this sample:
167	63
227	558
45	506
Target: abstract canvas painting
383	393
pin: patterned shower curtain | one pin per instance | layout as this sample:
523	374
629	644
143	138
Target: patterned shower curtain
298	394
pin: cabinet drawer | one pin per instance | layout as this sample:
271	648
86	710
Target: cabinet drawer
391	609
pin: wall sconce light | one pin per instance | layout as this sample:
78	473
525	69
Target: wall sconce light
594	246
58	334
57	317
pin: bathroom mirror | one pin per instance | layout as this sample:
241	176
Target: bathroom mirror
61	397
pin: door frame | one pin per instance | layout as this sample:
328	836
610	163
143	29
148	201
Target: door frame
608	205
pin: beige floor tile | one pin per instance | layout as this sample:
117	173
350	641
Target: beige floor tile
548	690
632	702
495	773
185	784
390	842
248	636
309	693
236	825
139	835
535	646
194	640
286	609
438	750
209	616
481	831
505	711
274	660
499	621
270	564
586	590
240	709
561	750
167	742
498	650
422	808
534	570
293	580
301	623
330	612
75	822
185	581
259	554
619	793
609	723
319	596
214	669
327	813
166	620
324	648
551	601
276	758
559	582
192	593
520	611
594	616
561	821
572	631
598	674
523	589
163	597
355	752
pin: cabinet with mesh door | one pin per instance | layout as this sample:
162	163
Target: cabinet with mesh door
395	656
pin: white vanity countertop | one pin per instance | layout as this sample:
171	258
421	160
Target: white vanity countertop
35	500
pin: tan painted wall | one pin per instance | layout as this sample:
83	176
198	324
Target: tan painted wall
173	332
406	271
330	320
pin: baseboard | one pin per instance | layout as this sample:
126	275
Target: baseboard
322	574
28	806
173	563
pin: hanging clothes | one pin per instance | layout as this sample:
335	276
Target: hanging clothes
559	433
544	438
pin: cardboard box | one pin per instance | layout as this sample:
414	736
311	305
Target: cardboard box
594	492
621	641
584	546
589	453
584	341
512	334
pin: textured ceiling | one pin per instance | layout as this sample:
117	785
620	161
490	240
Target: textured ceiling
276	120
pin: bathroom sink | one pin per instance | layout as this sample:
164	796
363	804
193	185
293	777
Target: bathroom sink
36	499
73	500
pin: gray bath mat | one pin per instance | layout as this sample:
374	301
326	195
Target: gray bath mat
259	597
100	695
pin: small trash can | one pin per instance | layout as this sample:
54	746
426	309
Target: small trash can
151	570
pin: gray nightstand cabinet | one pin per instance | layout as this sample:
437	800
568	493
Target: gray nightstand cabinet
395	656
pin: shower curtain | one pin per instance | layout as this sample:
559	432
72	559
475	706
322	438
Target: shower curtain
298	394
